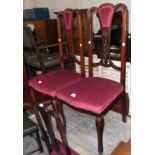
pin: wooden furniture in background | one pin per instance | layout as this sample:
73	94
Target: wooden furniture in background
39	58
44	29
31	129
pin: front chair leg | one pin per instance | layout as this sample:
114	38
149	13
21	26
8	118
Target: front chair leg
99	127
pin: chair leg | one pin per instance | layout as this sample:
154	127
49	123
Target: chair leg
58	108
39	141
60	125
40	124
99	127
63	117
124	108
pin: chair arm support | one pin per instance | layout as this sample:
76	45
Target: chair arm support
51	45
42	42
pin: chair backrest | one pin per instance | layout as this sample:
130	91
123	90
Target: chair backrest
105	13
66	30
51	141
29	45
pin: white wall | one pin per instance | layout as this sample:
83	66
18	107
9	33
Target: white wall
57	5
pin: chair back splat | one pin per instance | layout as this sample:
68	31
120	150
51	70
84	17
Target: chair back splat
105	14
51	141
65	23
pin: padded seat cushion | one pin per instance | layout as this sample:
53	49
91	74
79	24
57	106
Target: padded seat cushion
92	94
50	82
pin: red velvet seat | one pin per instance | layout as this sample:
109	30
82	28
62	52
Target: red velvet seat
50	82
92	94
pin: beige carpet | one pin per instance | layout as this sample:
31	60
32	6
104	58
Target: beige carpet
81	132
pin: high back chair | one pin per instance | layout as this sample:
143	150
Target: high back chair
96	95
105	13
48	84
38	58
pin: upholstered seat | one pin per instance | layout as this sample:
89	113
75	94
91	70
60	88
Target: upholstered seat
50	82
93	94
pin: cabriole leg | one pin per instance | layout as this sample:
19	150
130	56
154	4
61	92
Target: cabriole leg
99	128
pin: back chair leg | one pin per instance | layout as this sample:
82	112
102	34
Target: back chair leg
57	108
39	141
63	117
100	127
41	127
124	108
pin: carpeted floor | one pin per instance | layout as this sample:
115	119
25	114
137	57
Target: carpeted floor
81	133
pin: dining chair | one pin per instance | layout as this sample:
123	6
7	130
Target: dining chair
96	95
49	83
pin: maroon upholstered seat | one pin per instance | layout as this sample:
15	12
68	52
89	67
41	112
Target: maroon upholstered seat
50	82
92	94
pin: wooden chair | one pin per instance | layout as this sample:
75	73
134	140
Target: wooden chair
49	83
96	95
38	58
54	146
